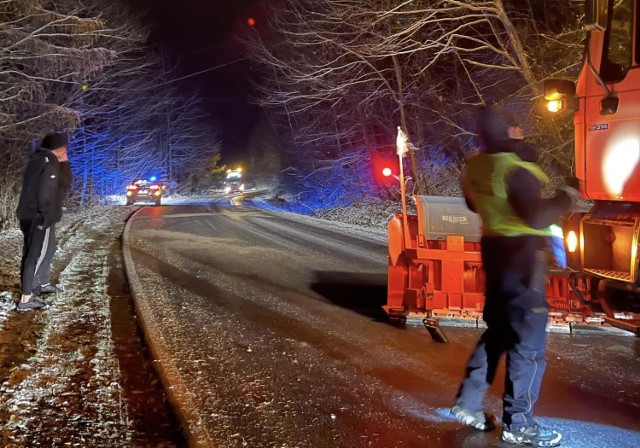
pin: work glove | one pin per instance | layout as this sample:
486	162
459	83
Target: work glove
573	193
572	188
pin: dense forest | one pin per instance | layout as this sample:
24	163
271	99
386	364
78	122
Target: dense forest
86	68
334	80
337	77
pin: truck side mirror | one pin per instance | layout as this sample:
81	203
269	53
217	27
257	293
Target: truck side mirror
560	95
596	14
609	105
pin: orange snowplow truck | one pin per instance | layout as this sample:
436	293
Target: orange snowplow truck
434	257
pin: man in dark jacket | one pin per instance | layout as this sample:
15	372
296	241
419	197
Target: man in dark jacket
504	185
47	179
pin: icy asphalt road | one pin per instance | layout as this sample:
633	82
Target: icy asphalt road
270	330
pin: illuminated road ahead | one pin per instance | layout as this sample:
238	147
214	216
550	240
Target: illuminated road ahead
271	331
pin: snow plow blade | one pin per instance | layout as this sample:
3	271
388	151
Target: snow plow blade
435	271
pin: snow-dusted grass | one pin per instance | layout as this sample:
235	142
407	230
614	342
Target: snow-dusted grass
67	391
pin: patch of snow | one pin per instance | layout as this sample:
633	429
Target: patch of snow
77	380
75	340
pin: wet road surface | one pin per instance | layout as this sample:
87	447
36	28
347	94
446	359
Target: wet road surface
274	327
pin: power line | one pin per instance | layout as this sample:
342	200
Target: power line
202	71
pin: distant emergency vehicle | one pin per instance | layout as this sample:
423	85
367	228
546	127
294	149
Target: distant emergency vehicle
142	190
233	182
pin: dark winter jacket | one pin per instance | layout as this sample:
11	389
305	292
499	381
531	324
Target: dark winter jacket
45	185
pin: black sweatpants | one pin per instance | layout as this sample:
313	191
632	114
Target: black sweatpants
516	314
37	253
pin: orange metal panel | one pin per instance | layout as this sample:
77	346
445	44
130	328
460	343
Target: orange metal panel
396	285
394	237
455	243
425	255
453	276
606	151
473	301
437	301
455	301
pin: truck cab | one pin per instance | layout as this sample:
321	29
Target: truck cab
602	244
234	182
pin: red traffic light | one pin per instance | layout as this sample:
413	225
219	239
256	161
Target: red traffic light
386	171
251	21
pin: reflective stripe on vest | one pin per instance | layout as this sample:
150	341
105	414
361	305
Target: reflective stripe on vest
485	183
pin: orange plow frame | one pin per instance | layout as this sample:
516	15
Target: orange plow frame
435	268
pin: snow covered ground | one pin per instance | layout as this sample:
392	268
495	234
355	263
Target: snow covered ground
61	381
41	392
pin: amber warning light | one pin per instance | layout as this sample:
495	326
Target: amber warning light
555	105
572	241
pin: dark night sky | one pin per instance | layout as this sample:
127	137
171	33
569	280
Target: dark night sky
199	34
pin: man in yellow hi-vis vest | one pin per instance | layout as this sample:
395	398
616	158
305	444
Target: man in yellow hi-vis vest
504	185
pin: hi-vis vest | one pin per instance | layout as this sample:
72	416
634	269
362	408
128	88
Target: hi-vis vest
485	183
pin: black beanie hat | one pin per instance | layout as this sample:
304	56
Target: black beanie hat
494	122
53	141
